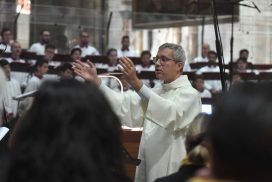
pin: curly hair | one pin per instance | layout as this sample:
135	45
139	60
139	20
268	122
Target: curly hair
70	133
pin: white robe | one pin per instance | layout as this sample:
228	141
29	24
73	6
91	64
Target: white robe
12	89
165	112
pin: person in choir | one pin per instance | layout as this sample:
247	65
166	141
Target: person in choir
39	47
49	54
146	66
69	133
198	157
6	38
113	59
164	112
86	49
198	84
241	65
2	88
239	135
204	54
12	89
213	86
125	49
244	53
65	71
145	62
75	54
41	68
16	51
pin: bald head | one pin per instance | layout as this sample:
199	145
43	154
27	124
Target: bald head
205	49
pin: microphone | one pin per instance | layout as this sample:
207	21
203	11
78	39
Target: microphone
256	7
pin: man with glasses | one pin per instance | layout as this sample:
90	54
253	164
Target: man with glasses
164	112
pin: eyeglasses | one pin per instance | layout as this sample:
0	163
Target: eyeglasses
163	59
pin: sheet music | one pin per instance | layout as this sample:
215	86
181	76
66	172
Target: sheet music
3	132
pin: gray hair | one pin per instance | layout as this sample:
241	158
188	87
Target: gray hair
178	51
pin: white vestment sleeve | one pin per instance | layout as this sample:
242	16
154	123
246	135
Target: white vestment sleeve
128	106
172	114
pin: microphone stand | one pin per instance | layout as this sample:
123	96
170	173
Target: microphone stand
232	34
15	23
219	48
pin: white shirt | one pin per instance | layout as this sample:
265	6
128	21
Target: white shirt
201	59
140	68
10	60
165	113
38	48
33	84
205	94
214	85
87	51
11	90
127	53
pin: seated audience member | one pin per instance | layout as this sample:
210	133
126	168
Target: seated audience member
16	51
239	135
39	47
197	154
244	53
86	49
146	66
212	85
41	68
125	49
75	54
65	71
12	89
6	38
236	78
198	84
204	54
69	133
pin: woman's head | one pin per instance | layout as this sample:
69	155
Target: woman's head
70	133
240	134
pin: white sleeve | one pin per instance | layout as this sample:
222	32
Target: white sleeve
172	114
128	106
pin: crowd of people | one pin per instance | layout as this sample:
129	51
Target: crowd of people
69	128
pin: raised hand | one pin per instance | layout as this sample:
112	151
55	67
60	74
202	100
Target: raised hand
129	72
86	71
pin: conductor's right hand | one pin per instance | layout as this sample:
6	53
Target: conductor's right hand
86	71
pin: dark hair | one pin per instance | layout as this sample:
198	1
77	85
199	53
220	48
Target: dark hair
243	50
240	134
111	50
198	76
70	133
3	62
146	52
125	37
44	30
74	50
212	52
50	46
39	63
64	67
5	30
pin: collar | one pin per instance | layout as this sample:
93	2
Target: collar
38	76
82	46
179	82
124	49
148	66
